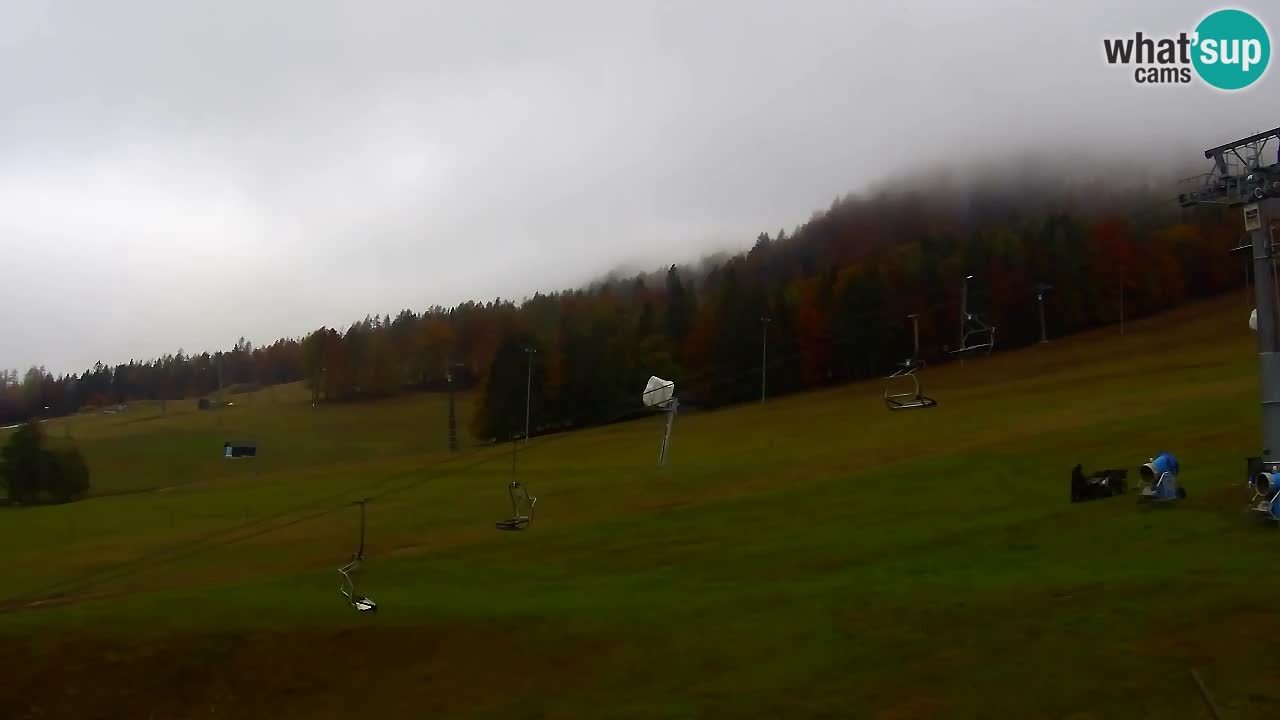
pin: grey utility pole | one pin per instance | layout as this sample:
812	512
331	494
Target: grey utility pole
528	393
1242	178
764	345
453	413
1041	289
1122	304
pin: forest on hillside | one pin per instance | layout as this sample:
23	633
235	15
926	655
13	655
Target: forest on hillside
836	292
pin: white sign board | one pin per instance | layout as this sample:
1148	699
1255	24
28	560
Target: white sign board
1252	218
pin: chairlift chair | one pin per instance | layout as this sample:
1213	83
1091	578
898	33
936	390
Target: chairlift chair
348	587
521	508
905	399
976	336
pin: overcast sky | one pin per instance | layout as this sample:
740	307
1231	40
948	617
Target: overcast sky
179	174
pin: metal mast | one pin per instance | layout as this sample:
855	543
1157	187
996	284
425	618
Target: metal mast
1242	177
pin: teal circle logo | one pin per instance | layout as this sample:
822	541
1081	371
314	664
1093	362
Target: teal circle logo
1232	49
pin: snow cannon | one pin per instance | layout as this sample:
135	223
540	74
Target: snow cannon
1159	479
1266	493
661	395
1266	483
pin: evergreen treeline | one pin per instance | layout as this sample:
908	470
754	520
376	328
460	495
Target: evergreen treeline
836	291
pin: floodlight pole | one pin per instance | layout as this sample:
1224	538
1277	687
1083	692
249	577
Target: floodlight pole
1122	304
964	313
528	393
764	345
453	415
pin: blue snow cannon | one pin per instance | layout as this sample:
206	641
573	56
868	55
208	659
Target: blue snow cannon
1159	479
1266	494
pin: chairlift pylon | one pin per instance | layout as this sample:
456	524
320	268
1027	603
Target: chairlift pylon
913	398
348	587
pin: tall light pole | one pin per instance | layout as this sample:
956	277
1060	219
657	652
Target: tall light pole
73	406
453	415
1041	289
764	345
528	393
964	315
1121	303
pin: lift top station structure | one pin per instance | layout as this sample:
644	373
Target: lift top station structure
1246	175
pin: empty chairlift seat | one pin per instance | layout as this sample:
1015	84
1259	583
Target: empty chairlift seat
521	508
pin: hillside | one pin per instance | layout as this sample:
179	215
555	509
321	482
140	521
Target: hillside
815	556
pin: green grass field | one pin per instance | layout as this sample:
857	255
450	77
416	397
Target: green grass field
815	557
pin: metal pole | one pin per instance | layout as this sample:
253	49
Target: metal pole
453	415
528	394
1121	304
764	344
964	308
1204	693
362	502
1268	358
915	337
1043	337
1246	284
1041	288
666	437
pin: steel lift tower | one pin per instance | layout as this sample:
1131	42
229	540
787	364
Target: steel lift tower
1246	175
